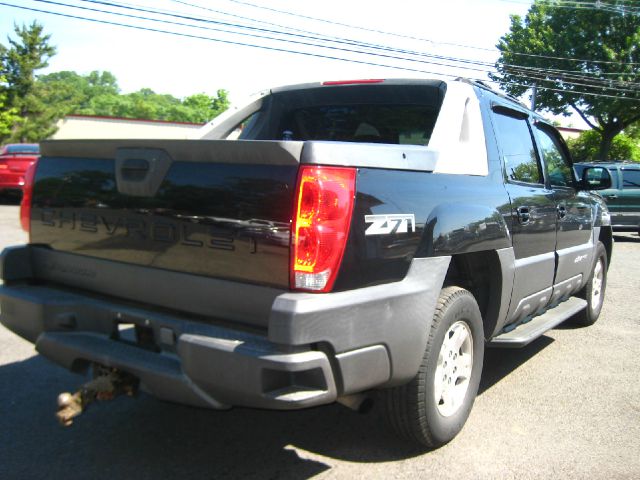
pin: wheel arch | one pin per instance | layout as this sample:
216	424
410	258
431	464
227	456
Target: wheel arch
488	275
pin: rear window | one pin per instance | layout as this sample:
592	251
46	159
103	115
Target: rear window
391	124
22	148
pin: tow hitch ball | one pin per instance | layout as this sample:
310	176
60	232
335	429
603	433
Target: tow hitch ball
107	384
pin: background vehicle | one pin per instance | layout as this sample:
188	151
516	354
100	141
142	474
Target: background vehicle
623	198
364	236
15	159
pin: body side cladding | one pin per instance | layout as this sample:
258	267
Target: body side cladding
397	315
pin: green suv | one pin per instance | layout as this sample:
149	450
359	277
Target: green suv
623	198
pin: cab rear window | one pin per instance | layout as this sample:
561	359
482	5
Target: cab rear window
390	124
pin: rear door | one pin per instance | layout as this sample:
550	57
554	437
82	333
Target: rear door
533	212
574	213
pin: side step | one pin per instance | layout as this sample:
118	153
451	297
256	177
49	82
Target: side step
527	332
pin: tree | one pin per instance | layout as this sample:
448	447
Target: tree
204	107
582	59
586	147
98	94
71	92
28	53
8	116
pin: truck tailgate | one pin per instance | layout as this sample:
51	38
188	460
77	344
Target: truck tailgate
219	209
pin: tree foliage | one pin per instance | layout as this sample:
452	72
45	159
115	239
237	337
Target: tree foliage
586	147
586	60
8	115
98	94
27	53
30	105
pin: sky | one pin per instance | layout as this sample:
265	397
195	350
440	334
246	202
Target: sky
202	58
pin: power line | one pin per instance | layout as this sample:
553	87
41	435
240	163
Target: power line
408	37
277	49
249	19
577	93
309	35
598	5
355	27
228	42
253	35
487	66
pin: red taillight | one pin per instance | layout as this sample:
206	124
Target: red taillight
324	203
27	193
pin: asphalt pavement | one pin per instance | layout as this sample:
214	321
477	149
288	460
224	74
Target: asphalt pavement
567	406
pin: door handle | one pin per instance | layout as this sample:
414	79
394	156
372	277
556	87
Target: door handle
562	211
613	195
524	215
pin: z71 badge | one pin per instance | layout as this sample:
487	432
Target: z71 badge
392	223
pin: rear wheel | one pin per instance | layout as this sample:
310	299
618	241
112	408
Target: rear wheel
593	291
433	407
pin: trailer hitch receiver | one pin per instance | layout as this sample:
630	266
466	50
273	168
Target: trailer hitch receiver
107	384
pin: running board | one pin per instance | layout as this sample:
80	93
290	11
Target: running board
527	332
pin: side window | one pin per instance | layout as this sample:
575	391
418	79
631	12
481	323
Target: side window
630	178
244	128
556	164
518	152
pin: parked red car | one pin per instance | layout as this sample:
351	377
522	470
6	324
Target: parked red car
15	159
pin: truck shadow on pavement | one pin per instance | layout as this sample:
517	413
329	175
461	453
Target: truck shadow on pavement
147	438
500	362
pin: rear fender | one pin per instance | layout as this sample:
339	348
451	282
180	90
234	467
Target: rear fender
455	228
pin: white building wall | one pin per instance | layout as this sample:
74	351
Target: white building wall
86	127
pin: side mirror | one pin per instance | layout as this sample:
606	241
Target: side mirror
595	178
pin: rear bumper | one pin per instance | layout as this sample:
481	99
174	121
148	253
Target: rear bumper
11	181
196	364
314	349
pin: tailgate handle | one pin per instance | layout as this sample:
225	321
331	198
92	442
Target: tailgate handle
141	171
134	169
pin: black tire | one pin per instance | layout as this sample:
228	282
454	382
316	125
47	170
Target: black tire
593	291
412	409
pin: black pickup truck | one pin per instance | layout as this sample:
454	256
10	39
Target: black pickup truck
357	239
